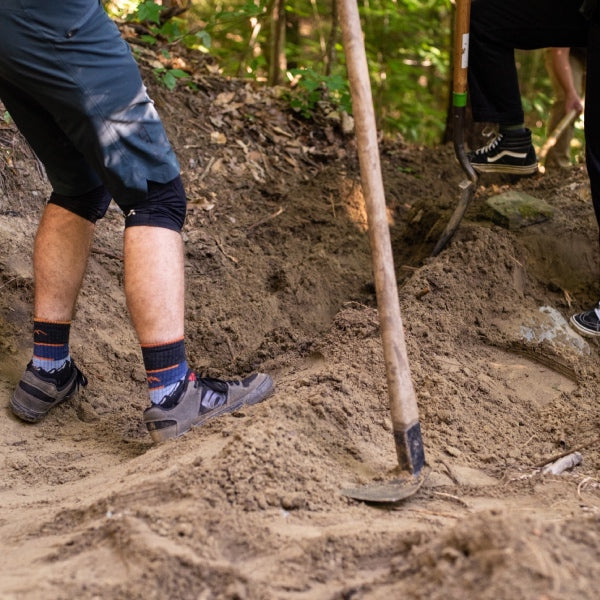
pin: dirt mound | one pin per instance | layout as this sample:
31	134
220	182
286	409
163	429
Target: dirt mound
279	278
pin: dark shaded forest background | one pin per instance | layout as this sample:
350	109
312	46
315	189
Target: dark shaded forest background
296	45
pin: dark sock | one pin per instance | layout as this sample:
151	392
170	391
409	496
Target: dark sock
515	128
166	367
50	344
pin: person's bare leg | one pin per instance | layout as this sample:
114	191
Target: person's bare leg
154	283
61	249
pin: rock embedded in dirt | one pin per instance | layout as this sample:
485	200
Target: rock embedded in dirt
515	209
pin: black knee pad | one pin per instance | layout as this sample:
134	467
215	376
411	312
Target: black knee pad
164	206
90	206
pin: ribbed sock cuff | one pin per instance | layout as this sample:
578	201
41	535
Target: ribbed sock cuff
50	344
166	366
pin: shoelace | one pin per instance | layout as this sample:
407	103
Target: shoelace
80	379
215	391
485	149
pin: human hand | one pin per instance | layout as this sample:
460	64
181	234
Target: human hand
573	102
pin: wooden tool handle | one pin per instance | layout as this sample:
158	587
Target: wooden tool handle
461	51
556	133
403	402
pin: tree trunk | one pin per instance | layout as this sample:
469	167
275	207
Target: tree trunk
277	60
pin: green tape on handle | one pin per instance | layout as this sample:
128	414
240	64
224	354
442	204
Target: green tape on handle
459	99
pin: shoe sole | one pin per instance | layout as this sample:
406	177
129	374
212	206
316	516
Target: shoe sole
261	393
30	416
24	413
506	169
28	391
582	330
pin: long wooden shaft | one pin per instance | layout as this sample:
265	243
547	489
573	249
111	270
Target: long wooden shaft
403	403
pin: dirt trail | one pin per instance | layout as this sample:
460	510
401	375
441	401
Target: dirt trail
279	278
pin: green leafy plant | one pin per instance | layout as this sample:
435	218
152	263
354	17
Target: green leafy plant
312	88
407	42
172	29
170	77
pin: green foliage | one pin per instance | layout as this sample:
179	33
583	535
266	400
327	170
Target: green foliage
148	11
408	45
170	77
408	48
313	88
172	30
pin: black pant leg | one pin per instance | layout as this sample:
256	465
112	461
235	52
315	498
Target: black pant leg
500	26
592	115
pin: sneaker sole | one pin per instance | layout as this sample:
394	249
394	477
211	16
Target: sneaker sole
26	414
506	169
261	393
582	330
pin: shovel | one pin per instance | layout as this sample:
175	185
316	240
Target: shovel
403	404
459	106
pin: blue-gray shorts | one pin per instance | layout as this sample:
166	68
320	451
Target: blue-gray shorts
70	83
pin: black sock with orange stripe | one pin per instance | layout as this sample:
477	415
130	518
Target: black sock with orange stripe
50	344
166	367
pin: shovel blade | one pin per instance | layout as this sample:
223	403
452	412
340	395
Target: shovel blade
467	188
388	492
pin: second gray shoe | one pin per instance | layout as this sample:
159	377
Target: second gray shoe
199	399
39	391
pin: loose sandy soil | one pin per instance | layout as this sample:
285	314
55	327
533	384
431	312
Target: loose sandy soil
279	279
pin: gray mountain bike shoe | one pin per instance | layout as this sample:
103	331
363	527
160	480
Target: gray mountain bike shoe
39	391
198	399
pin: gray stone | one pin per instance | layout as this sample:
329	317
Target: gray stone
514	209
551	327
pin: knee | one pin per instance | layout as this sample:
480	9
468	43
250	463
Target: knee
164	206
91	205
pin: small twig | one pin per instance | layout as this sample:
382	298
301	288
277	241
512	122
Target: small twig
207	169
282	132
451	497
518	262
430	512
563	454
583	483
266	219
9	281
233	259
531	438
